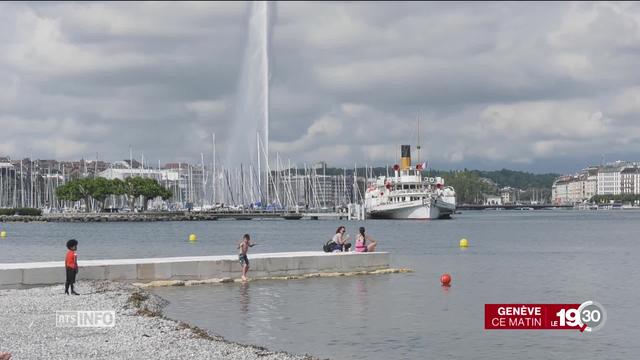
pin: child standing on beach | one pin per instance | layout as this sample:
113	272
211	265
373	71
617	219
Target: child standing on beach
71	264
244	246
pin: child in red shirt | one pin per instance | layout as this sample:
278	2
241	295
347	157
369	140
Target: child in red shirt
71	264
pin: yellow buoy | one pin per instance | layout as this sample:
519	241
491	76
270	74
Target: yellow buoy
3	234
464	243
193	237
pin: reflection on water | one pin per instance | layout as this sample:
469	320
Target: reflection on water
244	299
361	298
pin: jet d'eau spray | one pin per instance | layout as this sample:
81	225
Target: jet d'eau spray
248	142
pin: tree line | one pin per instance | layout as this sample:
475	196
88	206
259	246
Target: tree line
518	179
470	188
471	185
622	198
504	177
99	189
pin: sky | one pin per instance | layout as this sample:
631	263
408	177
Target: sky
540	87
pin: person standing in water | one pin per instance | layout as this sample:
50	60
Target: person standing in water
244	246
361	242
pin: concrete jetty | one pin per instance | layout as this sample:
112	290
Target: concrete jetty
194	267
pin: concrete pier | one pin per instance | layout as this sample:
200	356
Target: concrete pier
194	267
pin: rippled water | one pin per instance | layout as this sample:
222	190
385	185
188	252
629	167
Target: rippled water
514	257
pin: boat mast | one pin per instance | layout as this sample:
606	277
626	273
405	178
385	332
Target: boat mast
418	146
21	185
214	178
204	182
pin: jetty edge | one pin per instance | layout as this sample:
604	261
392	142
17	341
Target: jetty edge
199	268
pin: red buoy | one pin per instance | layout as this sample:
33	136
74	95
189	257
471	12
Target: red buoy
445	279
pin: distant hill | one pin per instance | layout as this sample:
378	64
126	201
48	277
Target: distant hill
471	189
469	184
504	177
518	179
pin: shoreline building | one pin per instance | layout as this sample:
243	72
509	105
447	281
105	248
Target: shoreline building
493	200
618	178
609	178
573	189
630	180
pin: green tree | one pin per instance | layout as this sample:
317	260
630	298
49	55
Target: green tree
76	190
469	187
118	187
100	189
146	189
69	192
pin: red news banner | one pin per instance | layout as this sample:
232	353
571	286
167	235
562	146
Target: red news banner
531	317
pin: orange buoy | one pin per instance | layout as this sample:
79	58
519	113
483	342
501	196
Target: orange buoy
445	279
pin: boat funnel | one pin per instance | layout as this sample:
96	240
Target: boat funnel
405	159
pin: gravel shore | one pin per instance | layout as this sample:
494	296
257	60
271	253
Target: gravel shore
28	328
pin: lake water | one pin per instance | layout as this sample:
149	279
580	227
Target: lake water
514	257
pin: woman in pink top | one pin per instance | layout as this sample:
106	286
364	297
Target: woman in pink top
361	242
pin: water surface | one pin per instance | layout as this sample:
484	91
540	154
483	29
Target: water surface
514	257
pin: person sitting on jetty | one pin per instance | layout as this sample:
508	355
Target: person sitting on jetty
340	240
71	265
244	246
361	242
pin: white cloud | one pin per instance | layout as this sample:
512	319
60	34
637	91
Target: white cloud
9	88
40	46
498	84
628	102
530	119
207	108
325	130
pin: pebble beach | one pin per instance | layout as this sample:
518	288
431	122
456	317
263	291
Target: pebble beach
28	327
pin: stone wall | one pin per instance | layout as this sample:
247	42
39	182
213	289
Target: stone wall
194	268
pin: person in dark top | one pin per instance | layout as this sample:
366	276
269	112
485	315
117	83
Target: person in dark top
244	246
340	239
71	265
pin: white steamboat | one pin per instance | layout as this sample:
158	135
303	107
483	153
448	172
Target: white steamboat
409	195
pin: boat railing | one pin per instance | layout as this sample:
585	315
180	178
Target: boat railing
410	192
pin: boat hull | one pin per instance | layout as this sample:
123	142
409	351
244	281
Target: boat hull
411	212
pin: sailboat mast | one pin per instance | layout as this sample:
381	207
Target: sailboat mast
259	171
418	146
204	182
214	179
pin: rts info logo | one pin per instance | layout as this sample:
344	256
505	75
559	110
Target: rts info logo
85	319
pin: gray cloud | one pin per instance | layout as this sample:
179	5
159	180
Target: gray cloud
541	86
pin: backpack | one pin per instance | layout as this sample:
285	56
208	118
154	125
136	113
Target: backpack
328	247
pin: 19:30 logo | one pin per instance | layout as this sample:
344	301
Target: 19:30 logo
590	316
